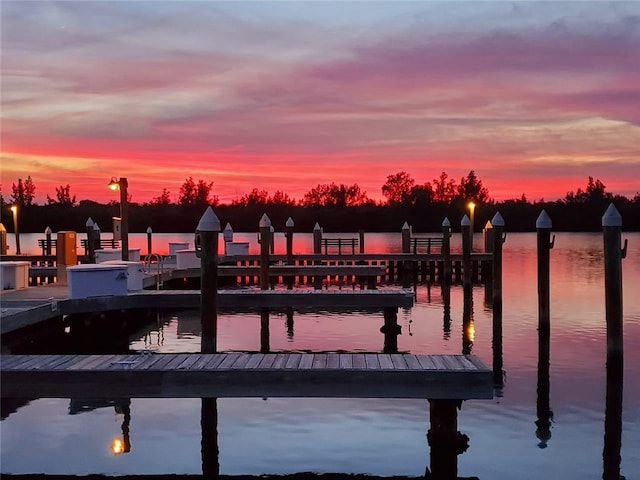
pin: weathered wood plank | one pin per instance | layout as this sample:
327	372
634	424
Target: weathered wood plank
267	360
426	362
320	360
399	362
359	361
254	360
293	361
346	361
229	360
372	361
412	362
385	361
306	362
333	360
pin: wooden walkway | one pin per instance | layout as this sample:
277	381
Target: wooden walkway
193	375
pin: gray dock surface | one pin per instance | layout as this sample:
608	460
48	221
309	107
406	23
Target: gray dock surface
194	375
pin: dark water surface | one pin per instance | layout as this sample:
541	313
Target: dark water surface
508	438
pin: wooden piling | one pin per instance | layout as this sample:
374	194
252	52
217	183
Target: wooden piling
264	330
47	242
543	409
498	230
445	440
317	249
465	225
206	243
288	233
4	247
391	330
91	252
265	241
210	451
149	241
361	240
613	255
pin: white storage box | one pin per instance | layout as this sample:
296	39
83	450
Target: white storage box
135	273
237	248
106	254
187	259
96	280
175	246
14	274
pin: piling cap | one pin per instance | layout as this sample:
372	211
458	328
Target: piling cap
543	221
405	226
272	229
89	222
47	231
3	229
446	222
289	222
488	225
149	230
265	221
612	217
209	222
465	222
96	227
497	220
227	227
316	227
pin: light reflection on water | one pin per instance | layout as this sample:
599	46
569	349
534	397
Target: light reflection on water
381	437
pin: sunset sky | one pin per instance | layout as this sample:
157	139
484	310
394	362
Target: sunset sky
535	97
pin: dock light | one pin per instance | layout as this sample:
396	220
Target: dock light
14	210
122	184
117	446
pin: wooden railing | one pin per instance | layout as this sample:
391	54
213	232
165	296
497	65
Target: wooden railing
430	243
339	243
104	243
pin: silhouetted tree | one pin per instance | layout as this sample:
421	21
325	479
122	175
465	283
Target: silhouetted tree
420	194
23	193
163	199
444	189
332	195
281	198
595	193
398	188
63	197
470	188
192	193
255	197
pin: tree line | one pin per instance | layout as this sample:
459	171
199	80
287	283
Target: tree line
336	207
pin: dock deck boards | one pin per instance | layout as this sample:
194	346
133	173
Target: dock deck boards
354	375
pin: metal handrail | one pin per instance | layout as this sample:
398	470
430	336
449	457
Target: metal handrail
159	266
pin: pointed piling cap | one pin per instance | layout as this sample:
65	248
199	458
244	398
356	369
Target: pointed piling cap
227	227
612	217
47	231
465	222
497	220
89	222
3	229
316	227
543	221
289	222
209	221
405	226
96	227
446	222
265	221
149	231
488	225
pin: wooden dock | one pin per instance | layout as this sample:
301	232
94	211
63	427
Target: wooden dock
194	375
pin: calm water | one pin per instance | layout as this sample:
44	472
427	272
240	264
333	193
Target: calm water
380	437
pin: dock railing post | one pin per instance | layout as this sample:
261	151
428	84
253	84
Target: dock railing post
543	410
91	251
288	233
465	225
265	240
206	243
613	255
149	242
498	239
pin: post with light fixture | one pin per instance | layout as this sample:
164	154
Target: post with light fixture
498	240
16	229
613	255
543	409
122	185
3	240
472	210
206	244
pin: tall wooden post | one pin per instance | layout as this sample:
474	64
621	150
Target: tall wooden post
361	240
209	449
498	230
265	240
465	225
272	240
91	251
543	410
227	236
149	241
406	238
290	322
405	267
391	330
613	255
288	233
487	236
96	236
206	243
264	330
467	321
446	252
317	250
445	440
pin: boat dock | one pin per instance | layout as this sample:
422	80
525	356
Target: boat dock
189	375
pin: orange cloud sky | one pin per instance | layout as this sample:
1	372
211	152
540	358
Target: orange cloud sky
283	96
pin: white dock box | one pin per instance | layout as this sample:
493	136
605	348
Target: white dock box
106	254
175	246
135	273
96	280
187	259
14	274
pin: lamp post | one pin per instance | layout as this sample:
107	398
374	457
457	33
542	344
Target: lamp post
14	210
122	185
472	208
